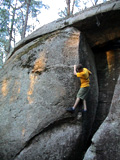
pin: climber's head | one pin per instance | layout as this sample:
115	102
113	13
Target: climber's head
79	68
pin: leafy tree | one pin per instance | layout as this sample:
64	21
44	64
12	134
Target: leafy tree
14	8
32	9
14	16
7	19
4	30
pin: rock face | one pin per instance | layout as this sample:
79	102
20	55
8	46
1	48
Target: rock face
105	143
37	85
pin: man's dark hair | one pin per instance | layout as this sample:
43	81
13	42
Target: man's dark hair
79	67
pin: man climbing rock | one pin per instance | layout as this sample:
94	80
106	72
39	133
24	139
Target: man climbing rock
83	74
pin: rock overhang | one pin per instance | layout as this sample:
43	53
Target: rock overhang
101	28
99	24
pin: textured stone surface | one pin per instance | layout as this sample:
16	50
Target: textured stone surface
37	84
105	143
108	73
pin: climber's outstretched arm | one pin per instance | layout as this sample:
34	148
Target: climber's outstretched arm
75	73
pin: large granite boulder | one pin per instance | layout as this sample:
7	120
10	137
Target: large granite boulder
37	85
106	141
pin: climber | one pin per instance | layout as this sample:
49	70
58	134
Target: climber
83	74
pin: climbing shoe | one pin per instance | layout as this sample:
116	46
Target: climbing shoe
84	110
70	109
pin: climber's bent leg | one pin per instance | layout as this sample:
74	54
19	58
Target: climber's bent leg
72	109
84	104
76	103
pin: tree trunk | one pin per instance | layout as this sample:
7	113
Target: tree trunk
96	1
14	40
12	24
73	6
1	59
26	19
68	7
11	30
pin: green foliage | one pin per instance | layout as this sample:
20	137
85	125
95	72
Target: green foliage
63	13
33	10
4	29
35	7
